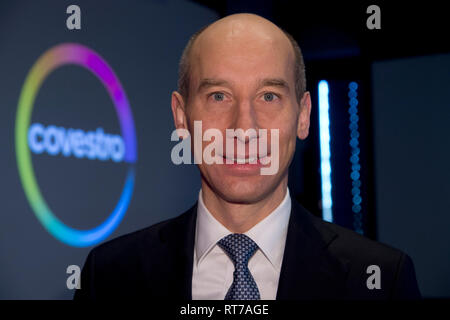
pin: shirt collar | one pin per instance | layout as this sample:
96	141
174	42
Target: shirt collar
269	234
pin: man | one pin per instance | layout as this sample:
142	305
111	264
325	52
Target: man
245	238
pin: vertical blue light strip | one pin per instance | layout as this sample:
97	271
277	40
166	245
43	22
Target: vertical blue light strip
325	154
354	158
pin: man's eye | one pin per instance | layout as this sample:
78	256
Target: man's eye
218	96
269	97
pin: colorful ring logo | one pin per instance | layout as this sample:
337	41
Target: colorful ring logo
71	53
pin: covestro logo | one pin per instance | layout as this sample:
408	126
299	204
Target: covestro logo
59	141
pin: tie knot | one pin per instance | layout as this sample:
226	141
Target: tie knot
239	247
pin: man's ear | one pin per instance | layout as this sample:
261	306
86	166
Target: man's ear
304	116
178	111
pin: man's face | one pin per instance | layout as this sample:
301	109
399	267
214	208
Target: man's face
243	82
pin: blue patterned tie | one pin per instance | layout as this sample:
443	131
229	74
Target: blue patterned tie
240	248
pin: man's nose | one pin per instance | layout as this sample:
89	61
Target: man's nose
244	117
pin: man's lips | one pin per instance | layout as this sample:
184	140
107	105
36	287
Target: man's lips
249	159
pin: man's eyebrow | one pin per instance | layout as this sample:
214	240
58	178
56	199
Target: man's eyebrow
268	82
207	82
274	82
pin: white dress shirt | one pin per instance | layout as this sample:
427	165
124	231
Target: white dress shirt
213	269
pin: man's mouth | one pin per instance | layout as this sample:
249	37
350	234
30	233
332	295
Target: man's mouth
254	159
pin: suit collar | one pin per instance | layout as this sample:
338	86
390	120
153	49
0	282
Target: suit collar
309	271
178	236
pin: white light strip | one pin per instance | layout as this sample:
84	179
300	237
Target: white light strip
325	155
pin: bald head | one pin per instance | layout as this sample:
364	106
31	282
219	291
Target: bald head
232	34
239	29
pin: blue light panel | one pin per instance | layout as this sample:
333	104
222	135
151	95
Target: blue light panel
325	154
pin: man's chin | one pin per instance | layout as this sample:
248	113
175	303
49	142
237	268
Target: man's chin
243	193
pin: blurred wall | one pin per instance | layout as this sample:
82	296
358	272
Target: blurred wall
412	157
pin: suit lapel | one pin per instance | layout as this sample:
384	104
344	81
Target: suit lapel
308	271
184	248
178	238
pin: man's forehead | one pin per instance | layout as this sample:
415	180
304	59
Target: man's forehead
239	29
241	44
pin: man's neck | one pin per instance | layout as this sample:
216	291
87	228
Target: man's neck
240	218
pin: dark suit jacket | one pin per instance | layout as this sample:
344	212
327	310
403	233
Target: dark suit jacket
321	261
